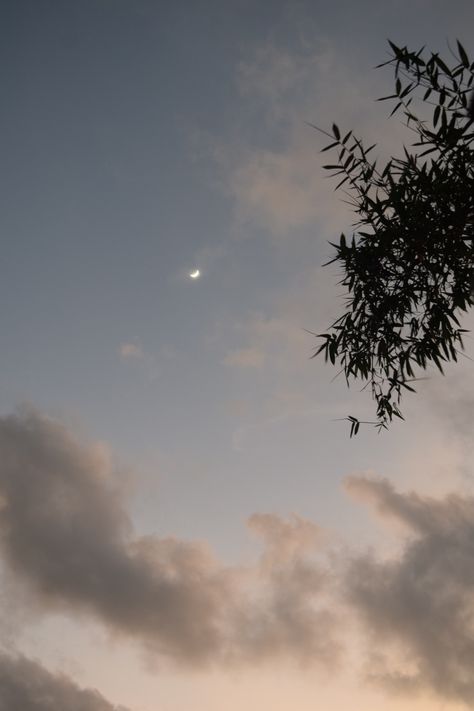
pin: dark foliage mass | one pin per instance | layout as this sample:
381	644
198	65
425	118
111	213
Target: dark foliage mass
408	267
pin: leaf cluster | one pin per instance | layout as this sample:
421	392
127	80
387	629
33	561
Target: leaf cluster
408	266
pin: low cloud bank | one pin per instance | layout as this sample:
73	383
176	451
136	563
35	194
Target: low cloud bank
66	536
65	533
26	686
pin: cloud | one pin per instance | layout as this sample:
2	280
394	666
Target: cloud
277	341
286	540
280	190
134	353
130	350
65	534
65	531
278	181
245	358
418	607
291	613
27	686
275	75
273	170
66	537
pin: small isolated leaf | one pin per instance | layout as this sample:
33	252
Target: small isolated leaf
463	55
336	131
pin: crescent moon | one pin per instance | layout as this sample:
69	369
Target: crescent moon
195	274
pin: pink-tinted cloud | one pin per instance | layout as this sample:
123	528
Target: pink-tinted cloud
65	533
245	358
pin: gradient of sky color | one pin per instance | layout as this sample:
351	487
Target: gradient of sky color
178	528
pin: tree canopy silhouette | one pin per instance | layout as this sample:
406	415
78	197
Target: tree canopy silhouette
408	266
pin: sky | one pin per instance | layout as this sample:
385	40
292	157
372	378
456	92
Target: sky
184	520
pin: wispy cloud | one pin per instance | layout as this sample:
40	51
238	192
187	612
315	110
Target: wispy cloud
131	351
276	340
245	358
275	176
278	182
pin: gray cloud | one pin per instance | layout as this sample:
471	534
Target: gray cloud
291	613
64	530
419	607
65	533
66	537
27	686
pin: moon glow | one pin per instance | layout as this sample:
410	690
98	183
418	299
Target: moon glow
195	274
